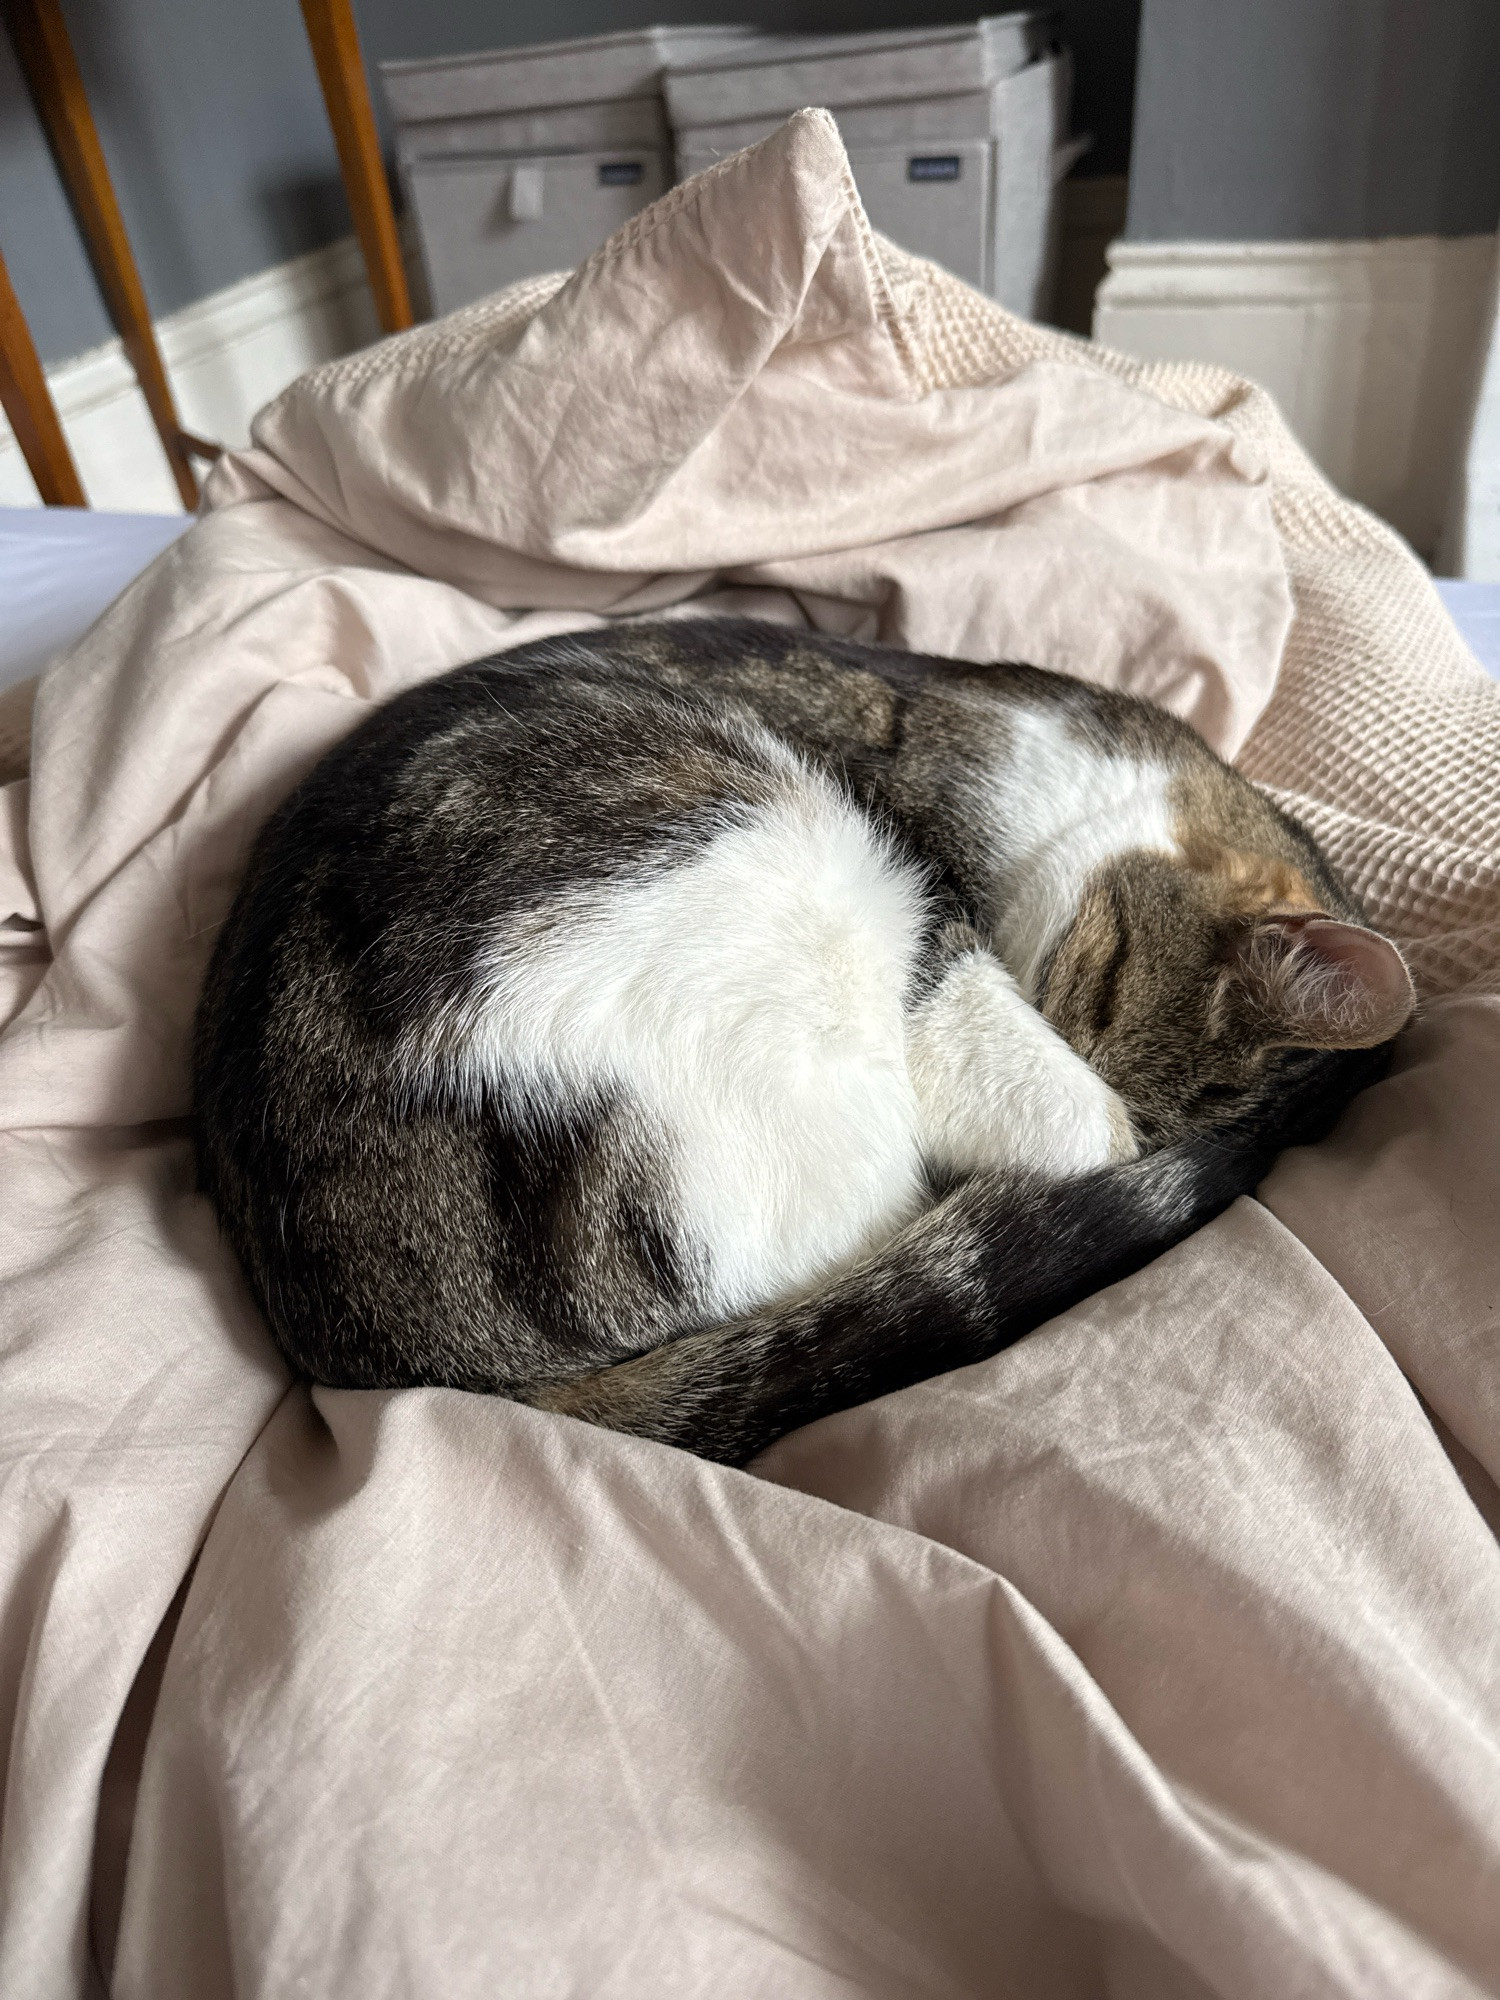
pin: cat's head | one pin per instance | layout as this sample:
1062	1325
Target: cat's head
1191	983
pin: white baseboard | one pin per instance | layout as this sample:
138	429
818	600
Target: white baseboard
1372	349
225	355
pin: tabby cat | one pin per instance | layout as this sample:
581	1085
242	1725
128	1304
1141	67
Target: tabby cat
700	1026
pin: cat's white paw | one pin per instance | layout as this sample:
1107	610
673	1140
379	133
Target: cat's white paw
1079	1123
997	1086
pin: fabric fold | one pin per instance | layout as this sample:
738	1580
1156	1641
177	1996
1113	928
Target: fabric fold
776	417
1155	1657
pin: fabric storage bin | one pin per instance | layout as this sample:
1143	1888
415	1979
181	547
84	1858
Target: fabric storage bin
484	223
957	136
934	199
517	161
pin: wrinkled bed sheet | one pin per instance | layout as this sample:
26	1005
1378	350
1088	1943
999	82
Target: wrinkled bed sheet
1159	1656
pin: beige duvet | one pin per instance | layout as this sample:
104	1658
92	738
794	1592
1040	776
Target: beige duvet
1158	1657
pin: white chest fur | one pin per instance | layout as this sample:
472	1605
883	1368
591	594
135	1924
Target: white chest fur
1059	809
750	1005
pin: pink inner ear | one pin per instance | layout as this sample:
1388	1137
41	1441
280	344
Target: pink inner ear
1331	985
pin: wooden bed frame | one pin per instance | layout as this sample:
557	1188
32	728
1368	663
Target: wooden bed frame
28	403
346	92
50	67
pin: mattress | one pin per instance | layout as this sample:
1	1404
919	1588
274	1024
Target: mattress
59	568
1475	610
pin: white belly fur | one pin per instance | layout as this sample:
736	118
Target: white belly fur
751	1002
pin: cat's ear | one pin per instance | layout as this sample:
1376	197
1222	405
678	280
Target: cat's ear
1315	983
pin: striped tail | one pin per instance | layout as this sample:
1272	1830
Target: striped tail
996	1257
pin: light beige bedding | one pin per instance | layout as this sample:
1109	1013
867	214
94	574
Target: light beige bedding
1158	1657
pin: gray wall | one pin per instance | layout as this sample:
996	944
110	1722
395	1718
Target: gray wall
1264	120
215	133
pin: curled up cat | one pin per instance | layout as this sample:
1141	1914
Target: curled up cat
701	1026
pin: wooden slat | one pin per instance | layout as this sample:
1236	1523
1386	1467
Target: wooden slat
52	75
341	71
28	403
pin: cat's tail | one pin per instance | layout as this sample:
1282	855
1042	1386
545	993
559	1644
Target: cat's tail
996	1257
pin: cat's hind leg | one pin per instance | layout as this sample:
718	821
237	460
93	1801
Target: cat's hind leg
997	1086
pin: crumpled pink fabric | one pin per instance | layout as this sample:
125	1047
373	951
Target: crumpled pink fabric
1156	1657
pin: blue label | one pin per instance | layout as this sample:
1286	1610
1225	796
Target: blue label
621	173
934	167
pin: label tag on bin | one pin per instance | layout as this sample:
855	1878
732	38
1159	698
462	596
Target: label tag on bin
934	167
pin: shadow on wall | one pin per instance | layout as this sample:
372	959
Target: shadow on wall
1315	120
304	208
1432	151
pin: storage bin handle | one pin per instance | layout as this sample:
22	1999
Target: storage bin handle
526	190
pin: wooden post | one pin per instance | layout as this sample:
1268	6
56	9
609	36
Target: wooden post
341	71
52	75
28	403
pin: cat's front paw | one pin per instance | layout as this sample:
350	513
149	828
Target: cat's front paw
997	1086
1084	1124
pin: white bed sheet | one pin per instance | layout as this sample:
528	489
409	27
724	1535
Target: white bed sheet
59	568
1475	610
